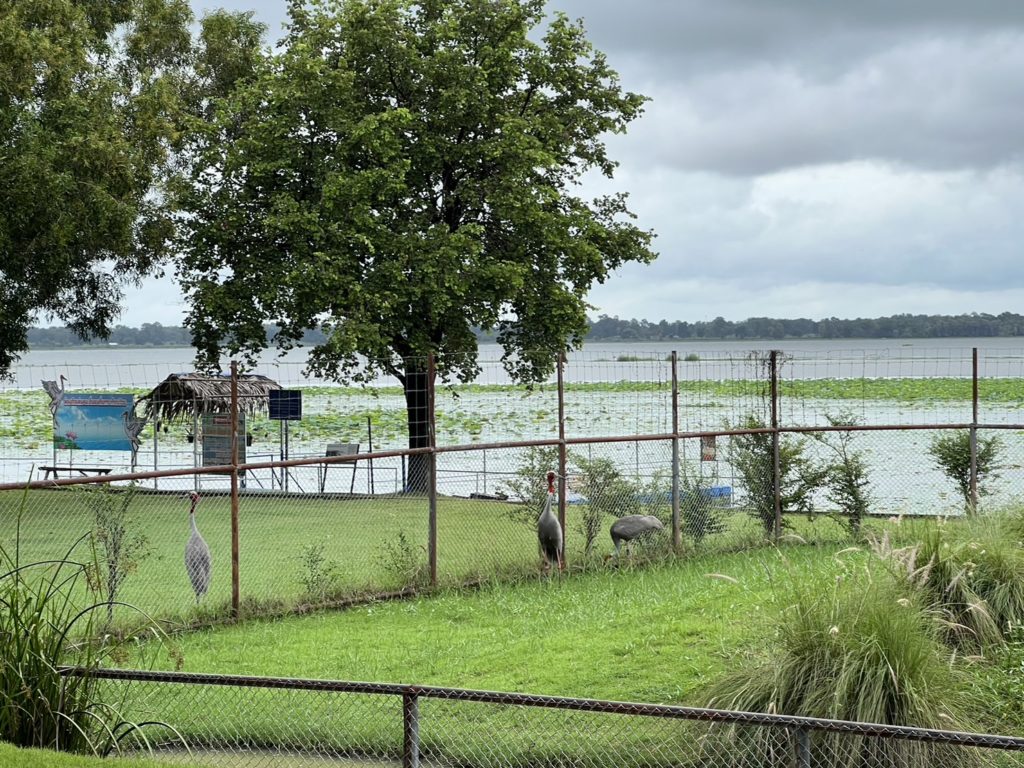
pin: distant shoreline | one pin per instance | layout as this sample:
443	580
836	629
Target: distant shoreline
904	340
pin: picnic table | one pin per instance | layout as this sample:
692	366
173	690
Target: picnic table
56	472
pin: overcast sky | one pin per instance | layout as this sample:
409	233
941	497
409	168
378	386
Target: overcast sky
803	158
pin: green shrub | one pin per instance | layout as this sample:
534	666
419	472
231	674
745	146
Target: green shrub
608	494
860	648
952	454
752	456
118	546
318	573
846	475
404	561
700	516
529	484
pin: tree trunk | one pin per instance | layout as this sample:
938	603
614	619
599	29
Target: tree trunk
417	408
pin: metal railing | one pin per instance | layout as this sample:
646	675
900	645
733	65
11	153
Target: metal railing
590	732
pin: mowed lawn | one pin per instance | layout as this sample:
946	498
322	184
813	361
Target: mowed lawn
358	537
366	545
655	634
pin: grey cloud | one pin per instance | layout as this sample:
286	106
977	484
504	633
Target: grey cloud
696	31
932	104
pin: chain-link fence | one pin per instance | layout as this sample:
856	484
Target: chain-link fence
341	493
253	721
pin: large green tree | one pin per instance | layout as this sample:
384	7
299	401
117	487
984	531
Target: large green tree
93	98
399	174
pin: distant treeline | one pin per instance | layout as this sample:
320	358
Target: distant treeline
895	327
607	328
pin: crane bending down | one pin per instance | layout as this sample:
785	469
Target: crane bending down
549	532
631	526
197	555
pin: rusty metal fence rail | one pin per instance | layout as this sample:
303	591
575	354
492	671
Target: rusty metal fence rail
257	721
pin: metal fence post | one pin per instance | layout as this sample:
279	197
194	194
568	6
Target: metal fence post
432	471
562	452
974	431
803	748
410	729
677	533
776	458
235	587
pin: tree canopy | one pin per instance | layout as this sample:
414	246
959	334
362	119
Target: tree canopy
93	99
86	95
402	172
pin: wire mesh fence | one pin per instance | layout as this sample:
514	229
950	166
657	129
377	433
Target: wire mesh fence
375	489
245	721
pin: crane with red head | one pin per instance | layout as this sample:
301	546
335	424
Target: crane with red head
549	531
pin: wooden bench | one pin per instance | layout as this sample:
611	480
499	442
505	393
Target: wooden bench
55	472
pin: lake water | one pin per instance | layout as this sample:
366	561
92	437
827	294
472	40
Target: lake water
900	466
105	367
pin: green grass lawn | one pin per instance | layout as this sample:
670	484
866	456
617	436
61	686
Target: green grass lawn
654	634
368	545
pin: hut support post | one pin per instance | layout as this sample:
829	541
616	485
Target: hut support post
235	591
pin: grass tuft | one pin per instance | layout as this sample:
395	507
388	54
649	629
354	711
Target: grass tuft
859	648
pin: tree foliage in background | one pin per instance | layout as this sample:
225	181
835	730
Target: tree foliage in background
89	99
752	456
952	454
94	100
400	175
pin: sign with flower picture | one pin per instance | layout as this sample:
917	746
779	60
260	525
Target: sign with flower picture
93	422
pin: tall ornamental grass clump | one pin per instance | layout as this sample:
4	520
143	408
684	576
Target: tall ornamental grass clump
971	575
860	648
45	626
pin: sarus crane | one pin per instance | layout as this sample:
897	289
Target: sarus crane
197	555
549	532
631	526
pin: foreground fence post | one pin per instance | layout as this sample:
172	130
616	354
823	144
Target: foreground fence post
432	473
803	748
773	360
235	587
974	431
677	534
410	729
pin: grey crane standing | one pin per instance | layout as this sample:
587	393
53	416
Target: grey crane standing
631	526
197	555
549	532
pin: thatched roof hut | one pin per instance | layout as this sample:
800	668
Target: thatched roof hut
188	396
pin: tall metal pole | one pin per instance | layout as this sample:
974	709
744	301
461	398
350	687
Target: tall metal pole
562	452
677	533
974	431
235	590
776	460
432	479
